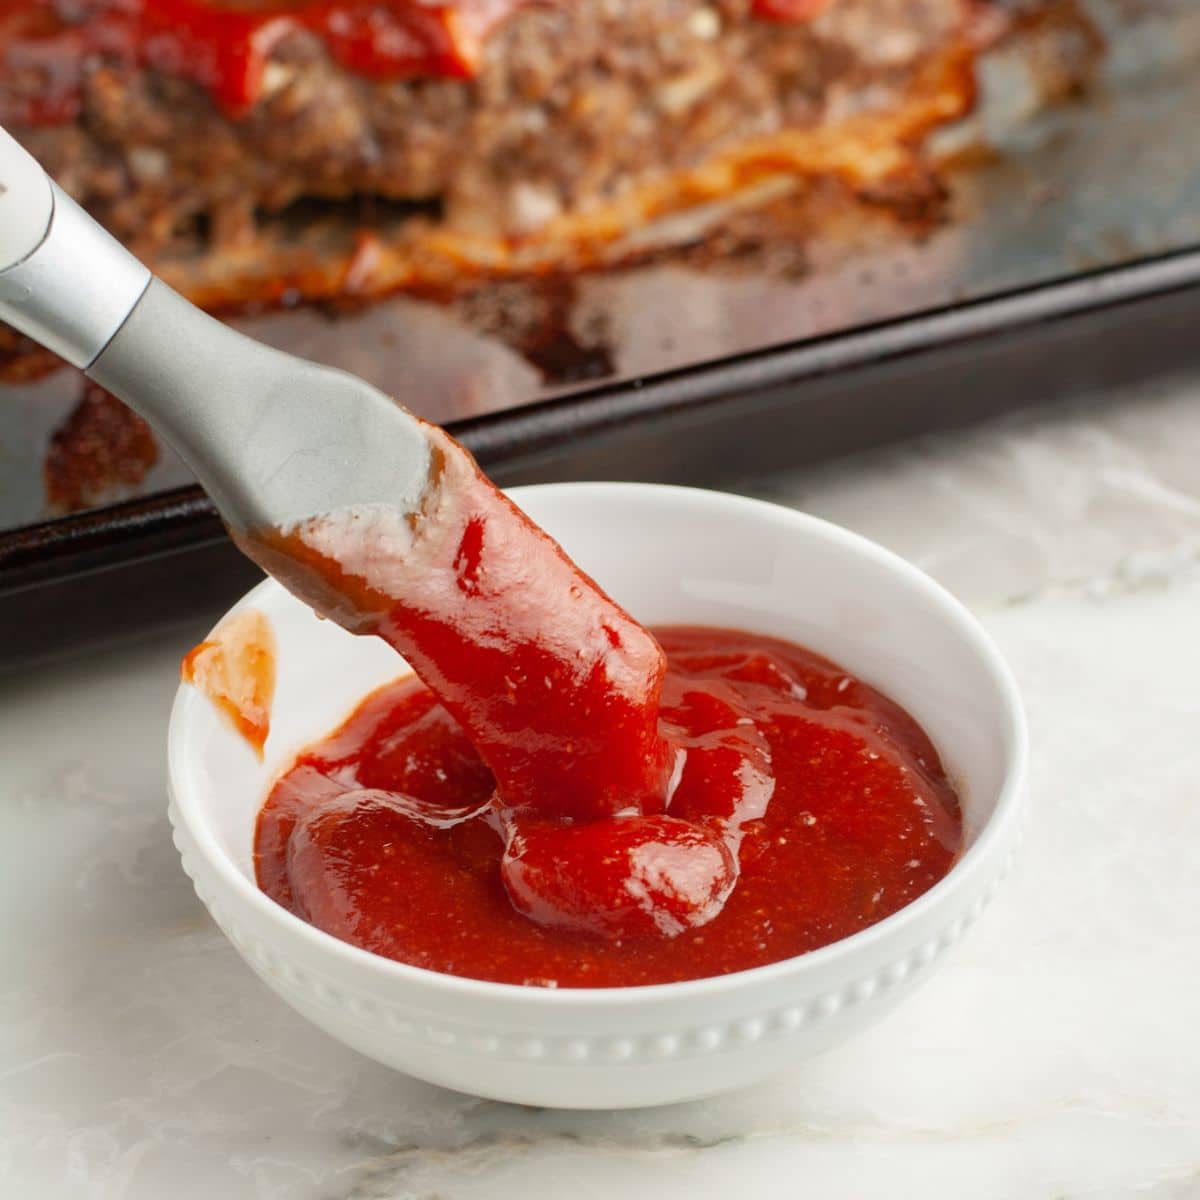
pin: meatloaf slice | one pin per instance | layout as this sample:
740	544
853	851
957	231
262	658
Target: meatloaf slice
574	107
563	141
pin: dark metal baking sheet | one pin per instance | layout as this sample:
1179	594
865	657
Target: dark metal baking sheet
1038	191
102	575
1075	217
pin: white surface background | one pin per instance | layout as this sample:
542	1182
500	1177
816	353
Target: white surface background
1057	1054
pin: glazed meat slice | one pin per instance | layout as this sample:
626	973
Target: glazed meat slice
275	152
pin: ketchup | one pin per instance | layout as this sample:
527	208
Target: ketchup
225	46
807	807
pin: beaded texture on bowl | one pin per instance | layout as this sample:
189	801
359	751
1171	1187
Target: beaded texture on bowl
773	1025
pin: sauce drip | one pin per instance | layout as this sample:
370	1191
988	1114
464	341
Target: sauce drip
806	807
556	686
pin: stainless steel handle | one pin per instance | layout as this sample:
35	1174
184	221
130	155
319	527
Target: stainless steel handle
272	438
26	204
64	281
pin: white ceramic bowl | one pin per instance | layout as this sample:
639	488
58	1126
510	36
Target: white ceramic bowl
670	555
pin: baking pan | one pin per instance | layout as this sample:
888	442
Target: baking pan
1061	263
99	575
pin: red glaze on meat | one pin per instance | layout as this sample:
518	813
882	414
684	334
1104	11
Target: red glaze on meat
225	47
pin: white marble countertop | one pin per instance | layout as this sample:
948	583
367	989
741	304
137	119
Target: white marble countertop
1057	1054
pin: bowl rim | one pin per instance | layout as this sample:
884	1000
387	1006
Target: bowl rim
188	803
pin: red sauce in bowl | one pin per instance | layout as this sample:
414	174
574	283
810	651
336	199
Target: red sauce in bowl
806	805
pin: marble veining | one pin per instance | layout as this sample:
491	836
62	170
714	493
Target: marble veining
1056	1054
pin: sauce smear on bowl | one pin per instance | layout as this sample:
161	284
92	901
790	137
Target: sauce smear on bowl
235	668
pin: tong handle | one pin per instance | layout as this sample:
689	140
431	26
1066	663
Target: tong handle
64	281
